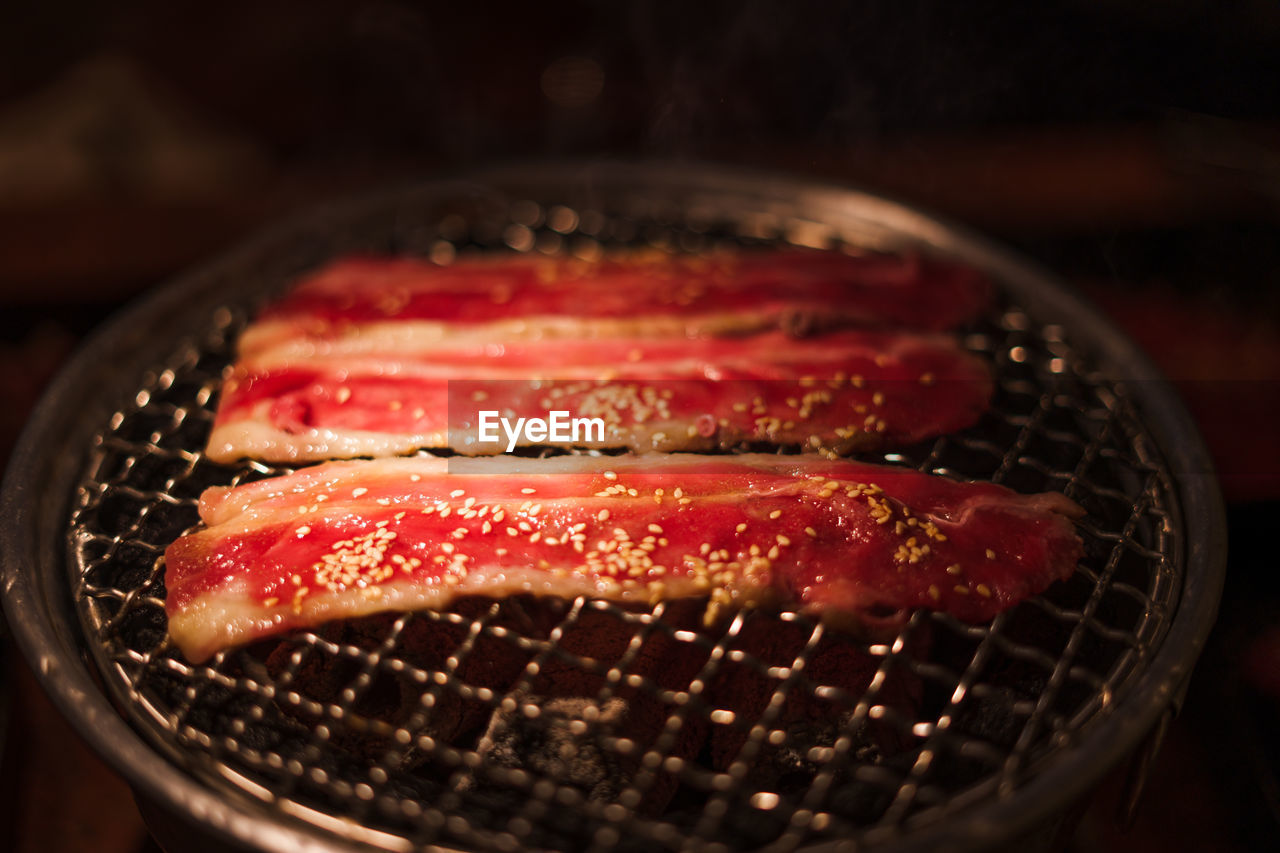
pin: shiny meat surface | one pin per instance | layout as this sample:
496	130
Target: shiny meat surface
651	293
851	389
854	541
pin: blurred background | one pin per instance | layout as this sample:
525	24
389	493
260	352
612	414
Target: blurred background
1131	147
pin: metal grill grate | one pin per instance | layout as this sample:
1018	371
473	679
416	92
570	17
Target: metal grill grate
582	724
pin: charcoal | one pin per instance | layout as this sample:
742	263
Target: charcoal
547	746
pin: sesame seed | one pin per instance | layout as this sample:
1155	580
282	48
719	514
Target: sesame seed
528	491
775	514
355	493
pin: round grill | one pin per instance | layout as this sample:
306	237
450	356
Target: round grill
524	723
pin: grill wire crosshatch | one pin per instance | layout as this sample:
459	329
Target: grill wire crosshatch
583	724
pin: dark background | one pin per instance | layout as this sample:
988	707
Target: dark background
1134	148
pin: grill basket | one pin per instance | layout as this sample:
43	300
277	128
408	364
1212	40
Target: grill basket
581	724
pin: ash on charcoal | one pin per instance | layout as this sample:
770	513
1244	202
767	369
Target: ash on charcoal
791	767
546	744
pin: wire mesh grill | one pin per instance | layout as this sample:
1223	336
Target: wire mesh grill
548	723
